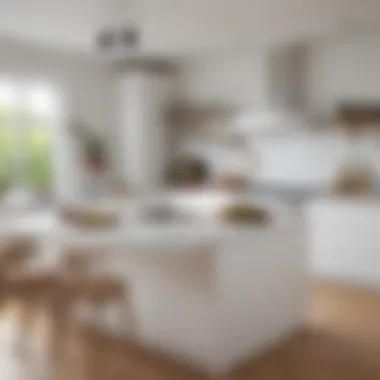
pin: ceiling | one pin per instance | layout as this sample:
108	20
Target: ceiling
187	26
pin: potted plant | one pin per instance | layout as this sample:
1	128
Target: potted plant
95	154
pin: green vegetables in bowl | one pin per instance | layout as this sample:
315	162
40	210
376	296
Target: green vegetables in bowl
245	213
90	218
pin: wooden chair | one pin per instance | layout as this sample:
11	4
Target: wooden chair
59	292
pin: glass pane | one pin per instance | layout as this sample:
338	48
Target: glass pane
5	153
38	153
39	111
7	135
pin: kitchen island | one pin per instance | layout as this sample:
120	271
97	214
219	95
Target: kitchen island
210	294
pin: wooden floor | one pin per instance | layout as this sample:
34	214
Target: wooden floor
340	341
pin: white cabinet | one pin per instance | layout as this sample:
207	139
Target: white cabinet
345	241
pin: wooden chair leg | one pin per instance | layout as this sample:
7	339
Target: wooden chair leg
58	338
3	301
94	363
99	313
127	315
26	320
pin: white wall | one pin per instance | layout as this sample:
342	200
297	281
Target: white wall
231	79
249	79
86	88
331	70
341	69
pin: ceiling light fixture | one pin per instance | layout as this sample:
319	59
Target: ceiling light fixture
119	36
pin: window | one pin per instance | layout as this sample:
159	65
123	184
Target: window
27	115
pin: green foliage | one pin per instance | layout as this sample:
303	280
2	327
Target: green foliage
27	150
5	152
38	159
94	146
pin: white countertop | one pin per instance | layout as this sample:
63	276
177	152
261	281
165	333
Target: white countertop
201	229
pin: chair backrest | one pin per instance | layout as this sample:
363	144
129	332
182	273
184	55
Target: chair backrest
76	263
15	252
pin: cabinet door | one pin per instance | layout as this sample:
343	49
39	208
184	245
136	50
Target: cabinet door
345	242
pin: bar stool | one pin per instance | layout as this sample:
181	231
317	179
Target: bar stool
15	253
89	287
95	288
81	267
